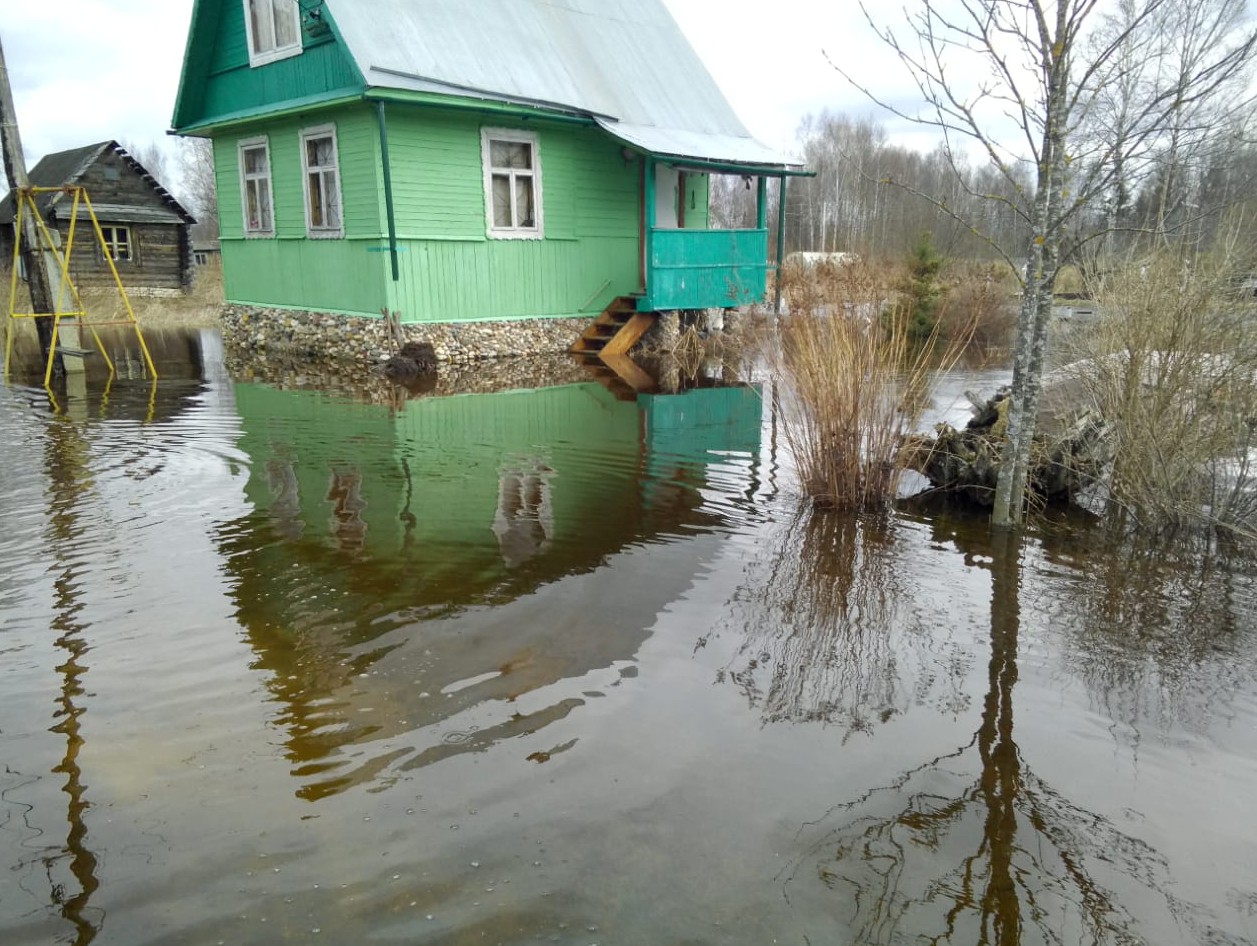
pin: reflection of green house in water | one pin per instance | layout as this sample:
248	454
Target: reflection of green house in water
446	529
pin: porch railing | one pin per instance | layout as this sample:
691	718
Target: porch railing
701	269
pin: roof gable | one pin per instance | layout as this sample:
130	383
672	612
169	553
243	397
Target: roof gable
73	167
218	84
194	77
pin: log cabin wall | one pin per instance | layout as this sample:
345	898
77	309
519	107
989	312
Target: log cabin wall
157	257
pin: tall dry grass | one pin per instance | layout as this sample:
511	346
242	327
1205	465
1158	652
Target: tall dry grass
854	383
1172	366
199	307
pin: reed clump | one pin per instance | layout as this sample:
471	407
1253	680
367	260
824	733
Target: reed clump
854	382
1171	365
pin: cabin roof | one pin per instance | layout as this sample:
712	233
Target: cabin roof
66	168
624	63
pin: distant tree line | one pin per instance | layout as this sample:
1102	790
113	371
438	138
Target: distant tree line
869	196
865	197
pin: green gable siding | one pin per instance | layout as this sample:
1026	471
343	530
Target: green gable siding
230	86
450	269
289	270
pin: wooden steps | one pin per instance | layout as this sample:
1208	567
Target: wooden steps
615	331
603	348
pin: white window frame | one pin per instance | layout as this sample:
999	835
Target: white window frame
112	243
488	135
263	48
249	144
321	232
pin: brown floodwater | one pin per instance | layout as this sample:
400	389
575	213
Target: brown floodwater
294	659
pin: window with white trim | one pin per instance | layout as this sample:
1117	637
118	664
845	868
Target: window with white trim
255	187
273	28
117	243
512	183
322	182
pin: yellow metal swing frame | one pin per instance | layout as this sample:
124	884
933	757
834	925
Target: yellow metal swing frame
77	316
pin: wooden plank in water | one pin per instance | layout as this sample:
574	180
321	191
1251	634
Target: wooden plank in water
630	372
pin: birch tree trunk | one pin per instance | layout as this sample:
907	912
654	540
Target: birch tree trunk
1041	268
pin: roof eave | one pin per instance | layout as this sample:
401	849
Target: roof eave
485	104
266	112
735	167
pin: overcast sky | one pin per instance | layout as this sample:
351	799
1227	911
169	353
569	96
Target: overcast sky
90	70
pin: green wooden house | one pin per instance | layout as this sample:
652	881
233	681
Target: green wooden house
463	160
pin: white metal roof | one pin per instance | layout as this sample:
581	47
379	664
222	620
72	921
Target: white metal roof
623	62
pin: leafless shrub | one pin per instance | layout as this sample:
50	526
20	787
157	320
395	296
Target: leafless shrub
980	304
810	288
1172	365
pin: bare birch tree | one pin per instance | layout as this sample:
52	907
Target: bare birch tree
1035	94
196	166
152	158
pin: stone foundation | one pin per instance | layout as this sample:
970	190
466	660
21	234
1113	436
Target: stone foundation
348	379
323	337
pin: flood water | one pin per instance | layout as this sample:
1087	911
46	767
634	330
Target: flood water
290	661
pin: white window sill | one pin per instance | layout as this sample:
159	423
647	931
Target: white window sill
274	55
516	235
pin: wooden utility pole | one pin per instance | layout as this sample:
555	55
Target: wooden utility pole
37	276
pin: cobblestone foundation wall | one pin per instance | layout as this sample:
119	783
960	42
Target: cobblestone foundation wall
350	380
324	337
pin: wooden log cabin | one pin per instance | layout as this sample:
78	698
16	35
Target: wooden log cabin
146	230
